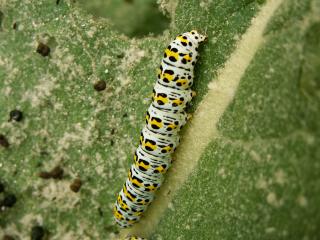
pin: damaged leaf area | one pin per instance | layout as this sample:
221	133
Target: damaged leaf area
73	90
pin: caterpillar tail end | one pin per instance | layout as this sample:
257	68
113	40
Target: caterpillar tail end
134	238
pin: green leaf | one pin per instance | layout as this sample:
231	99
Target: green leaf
248	163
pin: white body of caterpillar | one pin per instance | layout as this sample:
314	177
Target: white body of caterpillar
159	138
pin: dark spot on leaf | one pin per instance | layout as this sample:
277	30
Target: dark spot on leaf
44	153
120	55
16	115
76	185
7	237
3	141
9	200
100	85
57	172
100	211
37	233
1	19
15	26
43	49
44	175
1	187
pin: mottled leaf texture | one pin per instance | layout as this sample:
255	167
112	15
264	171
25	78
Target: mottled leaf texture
253	169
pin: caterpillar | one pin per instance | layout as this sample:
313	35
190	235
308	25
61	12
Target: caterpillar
160	136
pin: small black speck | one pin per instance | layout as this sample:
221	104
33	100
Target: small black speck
100	212
1	19
100	85
120	55
57	2
113	130
43	49
37	233
15	26
7	237
111	142
16	115
9	200
76	185
57	172
44	175
125	115
1	187
3	141
44	153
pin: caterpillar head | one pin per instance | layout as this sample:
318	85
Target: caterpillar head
194	34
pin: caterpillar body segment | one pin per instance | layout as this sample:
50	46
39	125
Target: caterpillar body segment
158	144
171	98
174	77
164	121
149	164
